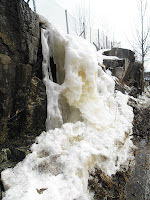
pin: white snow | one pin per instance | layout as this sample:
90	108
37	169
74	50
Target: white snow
101	56
88	126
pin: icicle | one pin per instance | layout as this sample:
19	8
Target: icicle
54	118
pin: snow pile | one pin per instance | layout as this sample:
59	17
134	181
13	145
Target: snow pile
88	126
101	56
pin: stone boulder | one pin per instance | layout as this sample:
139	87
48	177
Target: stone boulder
116	66
121	53
125	68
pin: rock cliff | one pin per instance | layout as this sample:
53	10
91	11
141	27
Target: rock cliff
22	92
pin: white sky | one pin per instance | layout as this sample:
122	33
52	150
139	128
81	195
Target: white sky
117	14
120	16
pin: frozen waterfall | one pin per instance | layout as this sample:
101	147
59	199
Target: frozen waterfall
88	125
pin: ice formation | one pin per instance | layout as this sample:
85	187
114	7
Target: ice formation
88	125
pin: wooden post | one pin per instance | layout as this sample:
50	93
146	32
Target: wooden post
98	40
84	31
106	42
67	21
111	44
34	6
90	34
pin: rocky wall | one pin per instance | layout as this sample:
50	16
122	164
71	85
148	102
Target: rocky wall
22	92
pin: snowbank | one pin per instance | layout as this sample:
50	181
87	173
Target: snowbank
101	56
88	126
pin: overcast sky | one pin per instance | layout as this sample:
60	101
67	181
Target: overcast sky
117	14
120	16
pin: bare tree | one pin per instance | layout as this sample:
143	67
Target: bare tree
34	6
102	37
142	36
107	35
83	20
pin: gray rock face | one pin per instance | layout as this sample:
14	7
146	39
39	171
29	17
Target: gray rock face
117	67
127	69
19	31
113	63
141	121
22	93
7	91
121	53
138	186
133	75
147	78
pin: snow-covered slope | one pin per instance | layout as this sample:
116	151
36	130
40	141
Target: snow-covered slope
88	125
